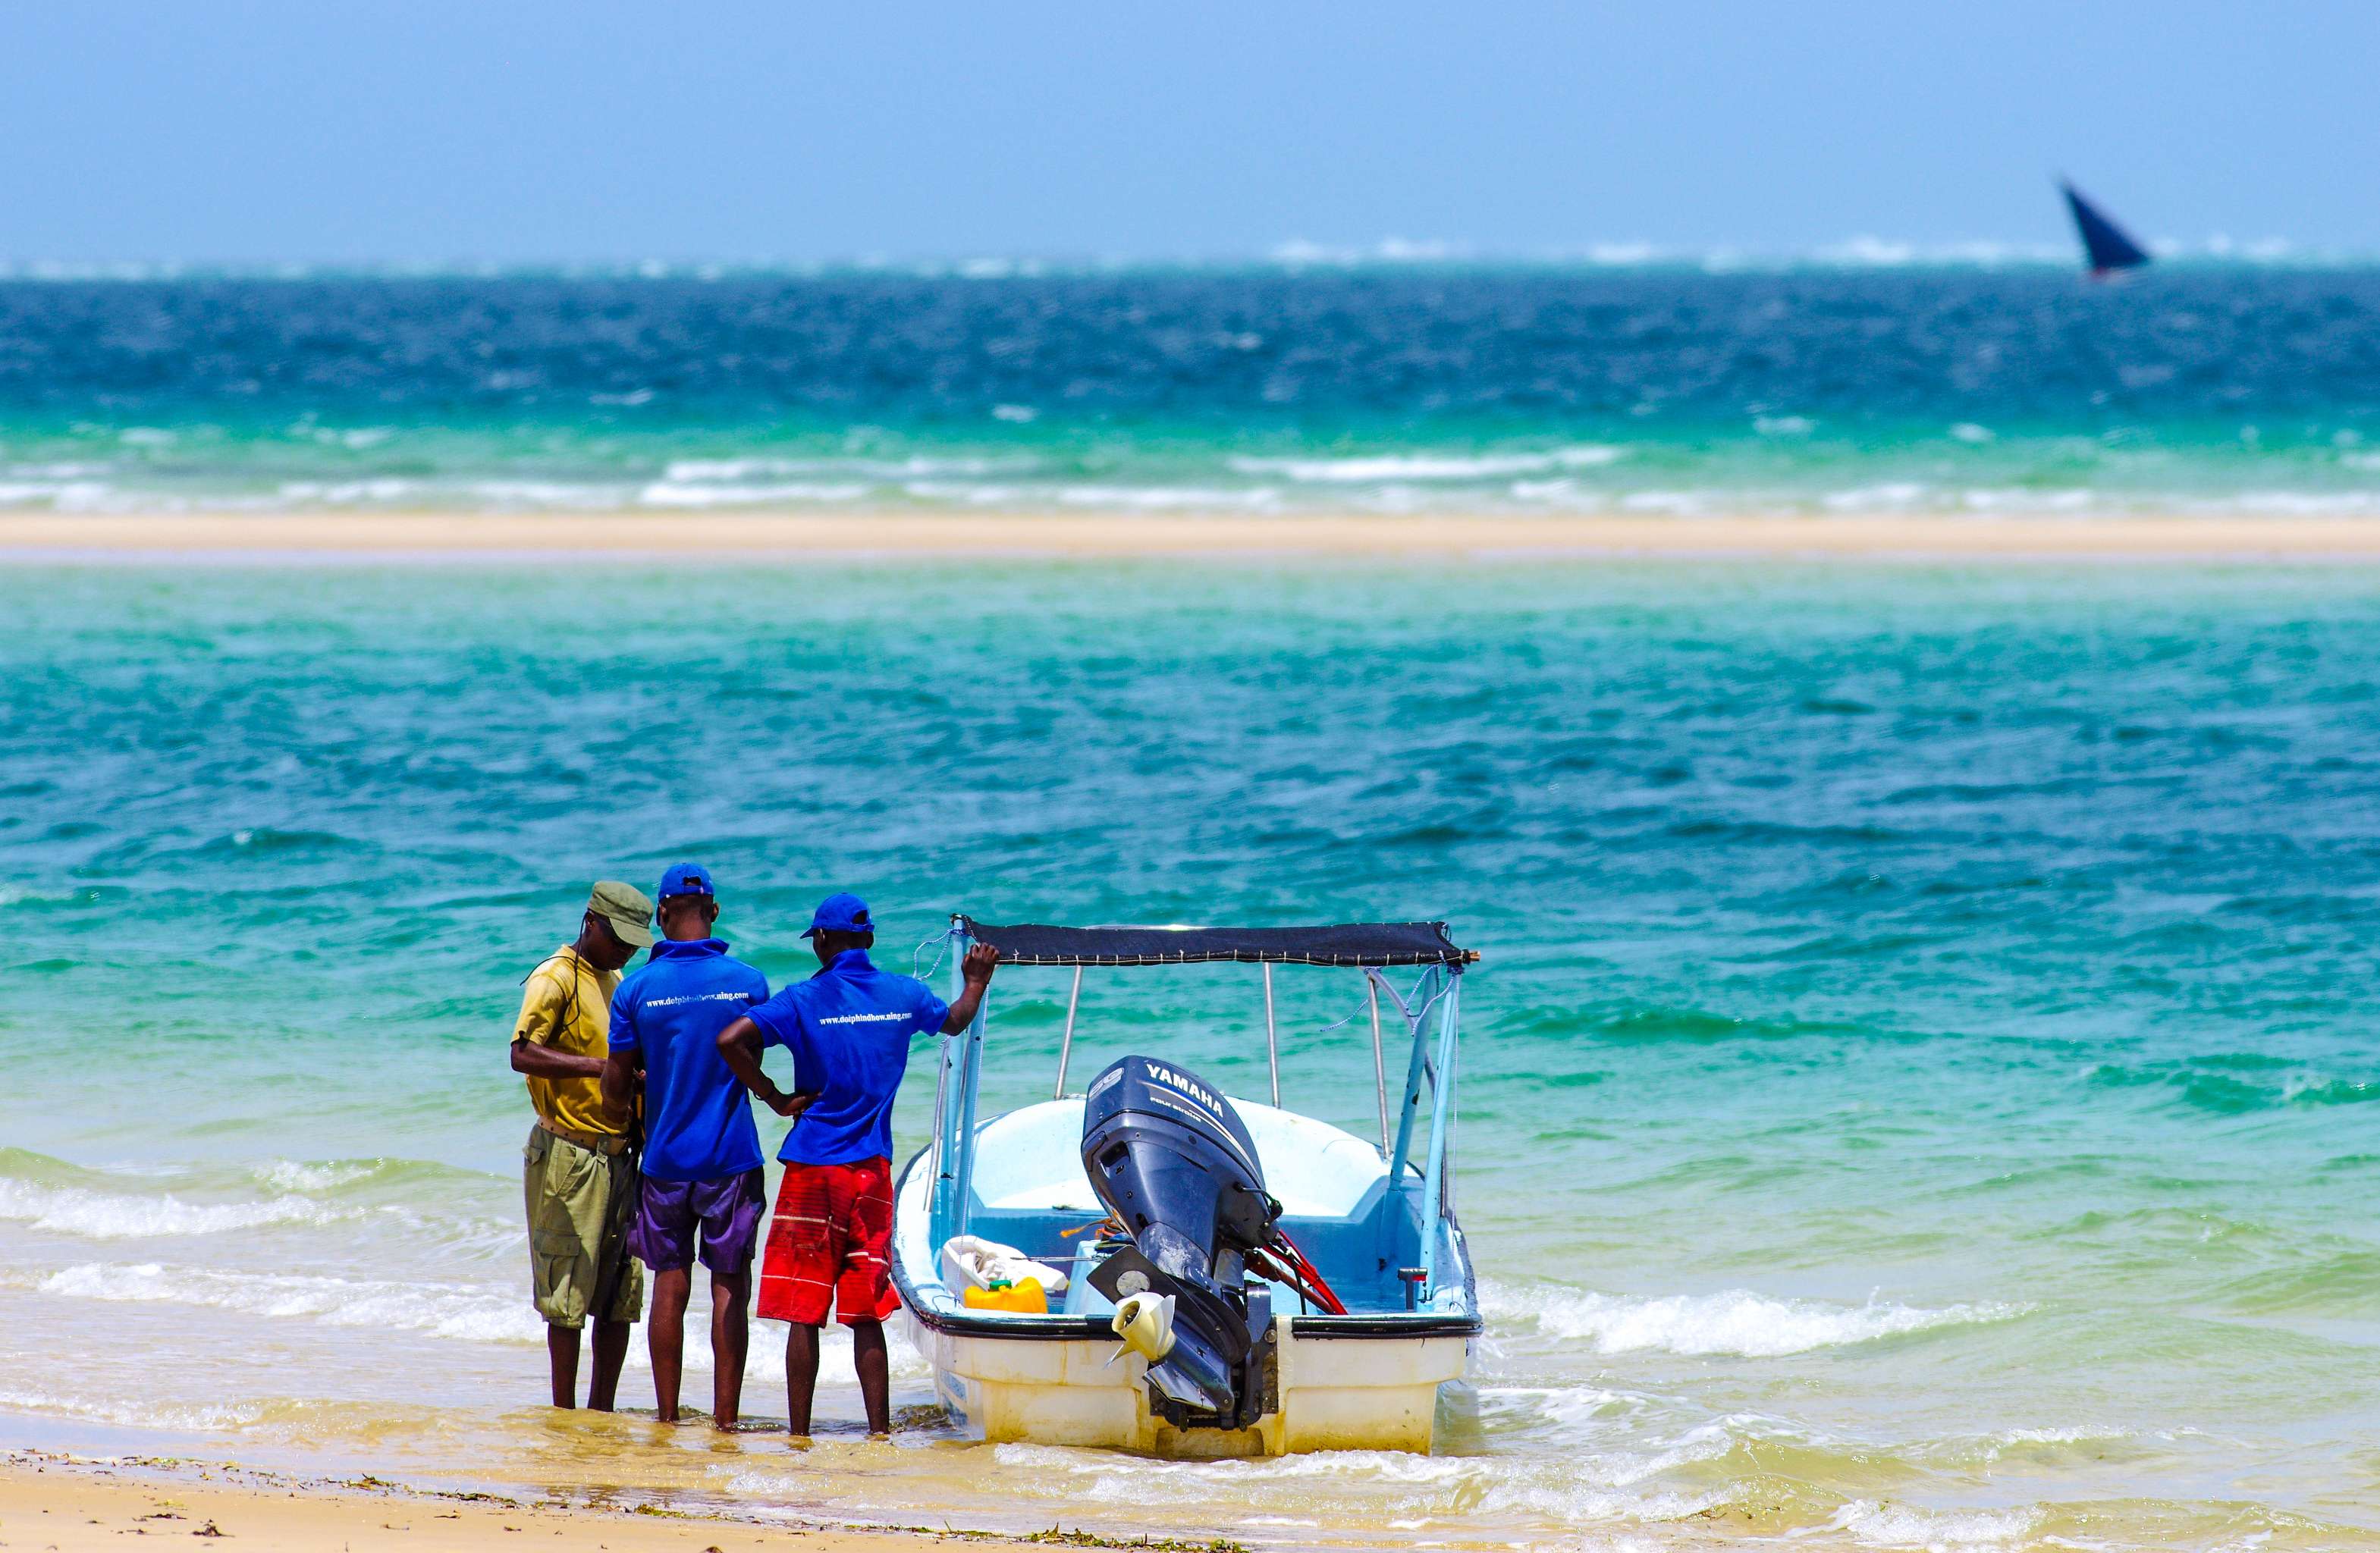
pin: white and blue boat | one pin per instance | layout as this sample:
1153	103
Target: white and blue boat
1233	1277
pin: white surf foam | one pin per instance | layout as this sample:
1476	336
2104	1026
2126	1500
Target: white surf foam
1890	496
1165	498
1873	1525
1968	1452
1424	1489
1735	1321
545	494
291	1175
72	495
672	493
135	1416
1674	504
76	1210
1426	465
346	494
448	1310
1100	1474
1572	1409
963	493
2026	500
699	471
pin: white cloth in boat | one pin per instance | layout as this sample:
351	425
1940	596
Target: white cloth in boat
972	1262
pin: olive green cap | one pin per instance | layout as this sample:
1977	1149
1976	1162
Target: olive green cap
624	908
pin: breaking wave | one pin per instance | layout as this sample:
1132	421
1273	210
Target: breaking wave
1734	1321
76	1210
1408	1492
1874	1524
200	1416
1372	468
457	1311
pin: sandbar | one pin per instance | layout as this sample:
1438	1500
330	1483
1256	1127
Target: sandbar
792	537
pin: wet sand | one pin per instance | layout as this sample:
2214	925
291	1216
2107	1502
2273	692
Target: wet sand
59	1504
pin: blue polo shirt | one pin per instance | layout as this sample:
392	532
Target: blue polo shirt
848	1028
698	1119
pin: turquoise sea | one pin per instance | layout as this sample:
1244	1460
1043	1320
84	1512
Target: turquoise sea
1660	389
1920	1090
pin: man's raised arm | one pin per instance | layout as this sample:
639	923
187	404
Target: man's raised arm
976	971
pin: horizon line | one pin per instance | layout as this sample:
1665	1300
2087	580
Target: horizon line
1858	253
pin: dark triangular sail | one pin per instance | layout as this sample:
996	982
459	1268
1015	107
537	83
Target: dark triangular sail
2108	245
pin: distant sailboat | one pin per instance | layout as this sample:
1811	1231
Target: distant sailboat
2108	245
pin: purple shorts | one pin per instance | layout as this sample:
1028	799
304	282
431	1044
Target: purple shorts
727	1210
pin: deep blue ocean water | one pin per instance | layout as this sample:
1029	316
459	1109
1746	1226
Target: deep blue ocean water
1920	1084
2227	388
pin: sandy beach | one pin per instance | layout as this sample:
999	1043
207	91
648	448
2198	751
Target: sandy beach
784	536
61	1504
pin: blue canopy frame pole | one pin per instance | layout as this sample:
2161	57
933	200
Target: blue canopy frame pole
960	1077
1379	1063
1441	1119
1272	1041
1415	1066
1066	1041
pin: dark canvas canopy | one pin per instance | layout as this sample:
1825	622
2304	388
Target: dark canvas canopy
1350	943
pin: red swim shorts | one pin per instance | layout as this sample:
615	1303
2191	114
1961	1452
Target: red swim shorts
831	1242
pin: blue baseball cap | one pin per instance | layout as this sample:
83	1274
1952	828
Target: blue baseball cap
842	912
685	879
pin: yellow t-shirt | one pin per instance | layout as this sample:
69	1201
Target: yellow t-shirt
568	1006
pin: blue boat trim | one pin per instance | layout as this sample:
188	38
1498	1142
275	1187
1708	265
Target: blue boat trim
1092	1328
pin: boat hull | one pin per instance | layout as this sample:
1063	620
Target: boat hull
1367	1378
1335	1393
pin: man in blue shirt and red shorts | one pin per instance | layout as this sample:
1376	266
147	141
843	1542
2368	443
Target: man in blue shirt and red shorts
702	1151
831	1242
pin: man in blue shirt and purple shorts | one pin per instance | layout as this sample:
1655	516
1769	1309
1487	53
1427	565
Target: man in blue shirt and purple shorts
703	1152
829	1247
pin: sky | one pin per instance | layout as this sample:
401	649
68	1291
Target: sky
527	131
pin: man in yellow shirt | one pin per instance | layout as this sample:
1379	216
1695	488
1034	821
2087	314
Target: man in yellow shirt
579	1175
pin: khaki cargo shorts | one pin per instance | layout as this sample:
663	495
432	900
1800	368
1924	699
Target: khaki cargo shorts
579	1203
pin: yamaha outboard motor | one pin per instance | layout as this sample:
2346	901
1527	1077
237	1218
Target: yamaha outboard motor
1174	1163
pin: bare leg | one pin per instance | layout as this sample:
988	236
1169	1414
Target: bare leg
611	1352
875	1383
665	1336
801	1376
730	1339
561	1356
